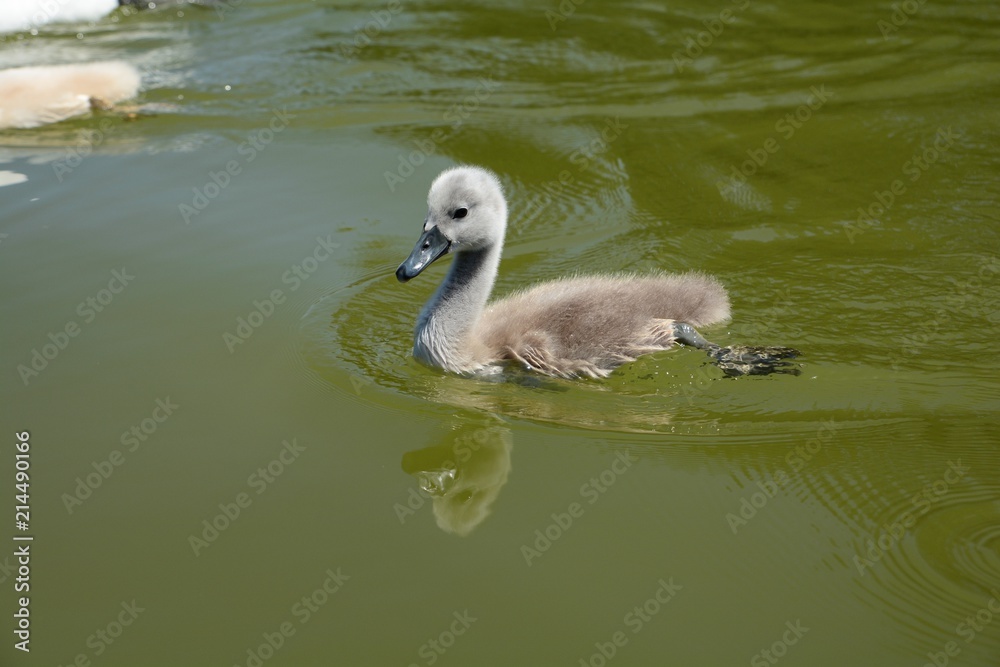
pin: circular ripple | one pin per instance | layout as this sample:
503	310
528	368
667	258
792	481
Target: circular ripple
932	552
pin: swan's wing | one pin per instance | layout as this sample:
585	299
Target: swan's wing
598	321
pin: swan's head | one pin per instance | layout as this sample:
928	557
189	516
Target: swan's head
466	211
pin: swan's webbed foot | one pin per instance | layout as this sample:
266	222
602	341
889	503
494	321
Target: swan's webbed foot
755	360
740	359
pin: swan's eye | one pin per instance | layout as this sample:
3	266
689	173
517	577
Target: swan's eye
460	213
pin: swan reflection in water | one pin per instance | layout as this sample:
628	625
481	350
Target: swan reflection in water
463	474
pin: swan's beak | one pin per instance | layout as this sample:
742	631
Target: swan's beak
431	245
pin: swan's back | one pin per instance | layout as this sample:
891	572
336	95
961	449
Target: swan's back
588	325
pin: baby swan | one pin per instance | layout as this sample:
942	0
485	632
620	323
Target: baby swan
37	95
579	326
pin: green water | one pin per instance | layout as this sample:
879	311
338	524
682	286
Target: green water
846	516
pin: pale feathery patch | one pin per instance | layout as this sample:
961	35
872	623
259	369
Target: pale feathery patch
39	95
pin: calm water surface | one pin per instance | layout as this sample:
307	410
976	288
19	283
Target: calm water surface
274	437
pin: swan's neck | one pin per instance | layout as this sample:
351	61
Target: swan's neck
444	330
